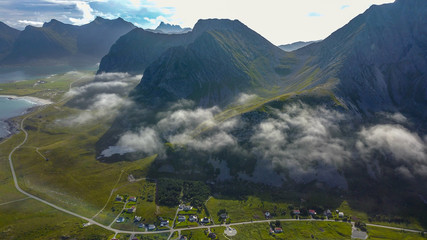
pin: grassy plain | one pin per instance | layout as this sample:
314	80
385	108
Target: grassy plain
252	208
74	179
376	233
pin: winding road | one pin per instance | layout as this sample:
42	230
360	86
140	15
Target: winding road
117	231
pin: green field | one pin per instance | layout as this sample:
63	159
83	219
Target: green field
376	233
295	230
51	88
245	210
75	180
29	219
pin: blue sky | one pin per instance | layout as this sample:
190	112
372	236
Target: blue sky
280	21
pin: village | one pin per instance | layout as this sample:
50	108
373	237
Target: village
189	217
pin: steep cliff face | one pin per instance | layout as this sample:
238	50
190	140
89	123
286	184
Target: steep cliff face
226	58
380	58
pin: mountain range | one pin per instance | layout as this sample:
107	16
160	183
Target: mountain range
376	63
8	36
295	46
378	58
224	59
59	43
167	28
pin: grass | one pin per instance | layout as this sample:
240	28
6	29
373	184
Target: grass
53	88
197	234
72	178
345	207
375	233
75	180
30	219
144	207
259	102
194	234
251	209
295	230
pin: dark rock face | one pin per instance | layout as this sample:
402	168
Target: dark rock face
380	58
58	43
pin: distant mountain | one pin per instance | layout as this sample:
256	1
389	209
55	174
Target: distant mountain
294	46
169	29
57	43
8	36
225	58
137	49
380	59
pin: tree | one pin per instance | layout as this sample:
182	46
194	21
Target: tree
221	211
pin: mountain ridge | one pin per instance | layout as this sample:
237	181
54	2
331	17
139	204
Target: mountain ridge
225	58
295	46
8	36
382	64
57	43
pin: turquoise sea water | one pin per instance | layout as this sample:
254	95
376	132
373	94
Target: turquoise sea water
12	108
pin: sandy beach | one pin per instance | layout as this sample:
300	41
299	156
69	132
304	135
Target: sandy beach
38	101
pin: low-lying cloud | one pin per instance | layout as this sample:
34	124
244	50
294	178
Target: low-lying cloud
299	141
406	149
100	99
103	106
146	140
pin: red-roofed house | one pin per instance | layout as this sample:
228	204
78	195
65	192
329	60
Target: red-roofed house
131	210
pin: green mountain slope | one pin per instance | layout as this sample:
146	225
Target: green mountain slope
226	59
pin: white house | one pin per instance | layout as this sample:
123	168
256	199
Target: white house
192	218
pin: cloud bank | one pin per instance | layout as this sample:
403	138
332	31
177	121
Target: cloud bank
405	150
100	99
295	142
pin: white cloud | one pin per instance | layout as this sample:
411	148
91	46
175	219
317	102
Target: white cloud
246	98
401	147
154	22
393	139
106	82
32	23
146	140
100	99
104	106
83	6
306	142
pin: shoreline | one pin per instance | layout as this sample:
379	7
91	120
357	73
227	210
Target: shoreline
12	124
36	100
